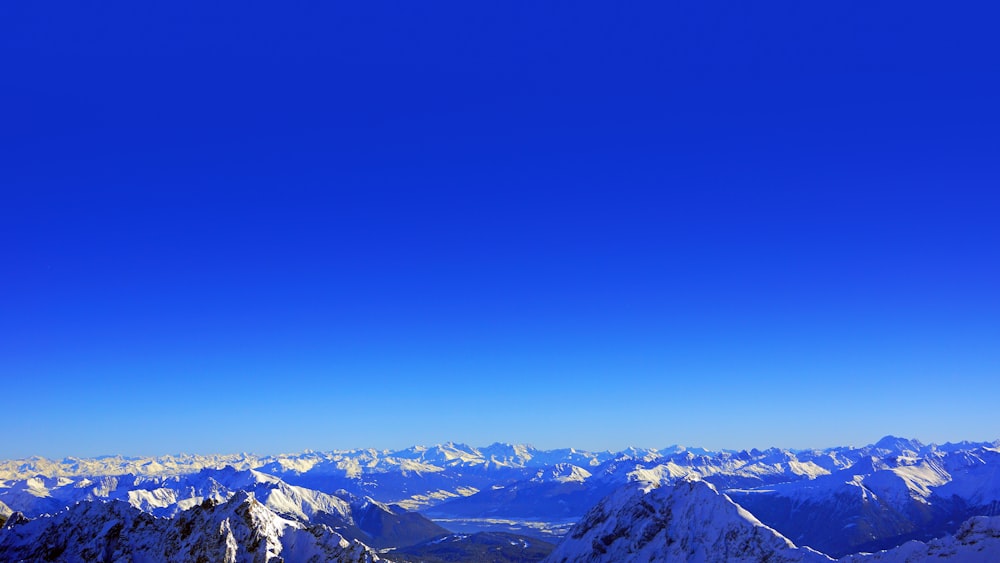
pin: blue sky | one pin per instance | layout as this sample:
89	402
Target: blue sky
269	228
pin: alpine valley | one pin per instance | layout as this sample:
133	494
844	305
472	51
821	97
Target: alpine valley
895	500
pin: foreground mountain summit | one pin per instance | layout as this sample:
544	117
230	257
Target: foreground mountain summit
688	521
900	499
238	530
692	521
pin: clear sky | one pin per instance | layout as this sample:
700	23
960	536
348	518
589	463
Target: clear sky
266	227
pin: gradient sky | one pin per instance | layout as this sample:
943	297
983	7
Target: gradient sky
262	227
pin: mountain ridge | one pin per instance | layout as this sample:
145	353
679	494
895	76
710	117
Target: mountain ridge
837	501
236	531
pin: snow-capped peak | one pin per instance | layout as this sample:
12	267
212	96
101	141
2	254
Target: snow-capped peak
562	473
688	521
900	445
237	531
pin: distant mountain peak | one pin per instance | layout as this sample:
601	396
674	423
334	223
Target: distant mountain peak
895	443
562	473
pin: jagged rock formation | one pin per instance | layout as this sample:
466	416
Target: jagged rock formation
364	519
688	521
240	530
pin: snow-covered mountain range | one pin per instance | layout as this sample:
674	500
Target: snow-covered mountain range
797	505
236	531
690	520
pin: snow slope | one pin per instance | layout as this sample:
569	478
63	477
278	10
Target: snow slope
237	531
364	519
883	498
976	541
692	521
687	521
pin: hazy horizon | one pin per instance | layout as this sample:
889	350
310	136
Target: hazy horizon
761	447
